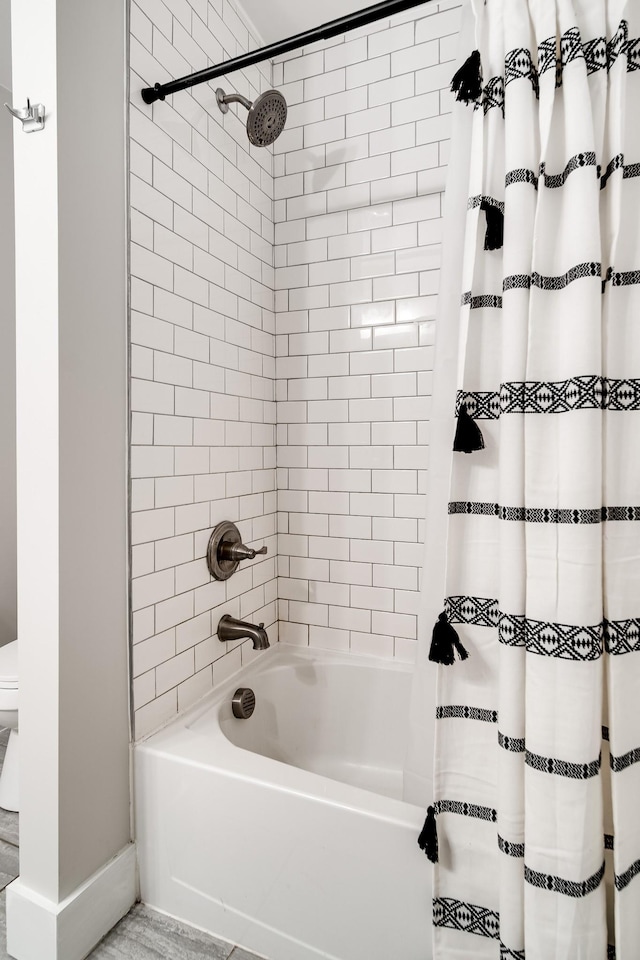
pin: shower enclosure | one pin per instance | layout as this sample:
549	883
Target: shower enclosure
283	303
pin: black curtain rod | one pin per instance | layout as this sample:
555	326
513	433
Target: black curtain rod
332	29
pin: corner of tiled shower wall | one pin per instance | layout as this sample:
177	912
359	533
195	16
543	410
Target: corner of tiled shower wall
358	180
202	355
357	251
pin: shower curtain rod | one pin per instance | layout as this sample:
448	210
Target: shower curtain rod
332	29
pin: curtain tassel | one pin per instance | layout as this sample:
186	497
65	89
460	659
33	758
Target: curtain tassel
494	236
444	641
428	839
468	436
467	82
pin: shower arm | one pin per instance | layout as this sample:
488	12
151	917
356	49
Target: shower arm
353	21
227	98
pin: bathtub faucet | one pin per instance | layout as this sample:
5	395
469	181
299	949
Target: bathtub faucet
231	629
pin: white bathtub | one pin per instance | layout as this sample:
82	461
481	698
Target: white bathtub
285	833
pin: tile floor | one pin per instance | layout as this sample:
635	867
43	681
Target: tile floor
8	853
142	935
146	935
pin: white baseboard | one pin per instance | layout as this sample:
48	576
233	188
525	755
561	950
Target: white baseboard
38	929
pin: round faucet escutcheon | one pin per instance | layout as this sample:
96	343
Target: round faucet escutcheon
226	551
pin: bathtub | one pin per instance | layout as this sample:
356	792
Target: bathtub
286	833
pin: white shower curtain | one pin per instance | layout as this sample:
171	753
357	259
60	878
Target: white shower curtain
537	751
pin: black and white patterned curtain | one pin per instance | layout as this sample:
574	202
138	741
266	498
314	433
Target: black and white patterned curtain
537	766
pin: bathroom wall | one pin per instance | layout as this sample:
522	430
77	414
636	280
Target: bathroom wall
71	386
8	556
202	355
358	175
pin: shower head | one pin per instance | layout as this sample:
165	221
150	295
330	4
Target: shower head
267	114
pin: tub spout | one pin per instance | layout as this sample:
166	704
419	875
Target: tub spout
231	629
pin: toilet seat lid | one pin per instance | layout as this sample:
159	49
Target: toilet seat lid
9	665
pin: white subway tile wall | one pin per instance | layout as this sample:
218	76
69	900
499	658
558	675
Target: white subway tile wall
358	208
203	414
331	240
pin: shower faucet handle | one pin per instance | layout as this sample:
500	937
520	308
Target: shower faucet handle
238	551
226	550
261	552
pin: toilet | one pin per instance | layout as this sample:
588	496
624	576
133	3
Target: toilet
9	718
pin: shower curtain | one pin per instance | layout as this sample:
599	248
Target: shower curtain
536	784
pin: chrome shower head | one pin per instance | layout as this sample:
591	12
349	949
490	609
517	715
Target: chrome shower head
267	114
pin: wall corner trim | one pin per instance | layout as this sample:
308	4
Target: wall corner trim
38	929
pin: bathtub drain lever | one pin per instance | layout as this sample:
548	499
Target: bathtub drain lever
243	703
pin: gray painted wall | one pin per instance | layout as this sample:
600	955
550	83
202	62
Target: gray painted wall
94	683
72	446
7	347
5	44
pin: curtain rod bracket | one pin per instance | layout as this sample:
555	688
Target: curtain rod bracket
151	94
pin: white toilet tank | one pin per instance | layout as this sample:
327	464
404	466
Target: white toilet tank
9	685
9	663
